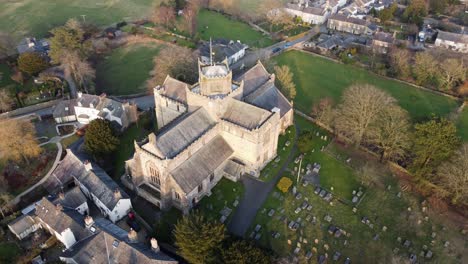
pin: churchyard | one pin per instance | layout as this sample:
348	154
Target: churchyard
285	145
29	18
125	70
330	79
216	25
344	218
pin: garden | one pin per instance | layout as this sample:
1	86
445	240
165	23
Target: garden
345	219
125	70
318	77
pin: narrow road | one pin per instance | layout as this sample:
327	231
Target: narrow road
256	192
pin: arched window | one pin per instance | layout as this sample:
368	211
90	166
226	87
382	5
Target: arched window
154	174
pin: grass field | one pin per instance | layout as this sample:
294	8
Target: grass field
363	243
215	25
9	252
316	78
35	18
462	125
126	69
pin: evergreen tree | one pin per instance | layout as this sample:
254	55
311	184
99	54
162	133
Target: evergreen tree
434	142
100	138
197	239
243	252
32	63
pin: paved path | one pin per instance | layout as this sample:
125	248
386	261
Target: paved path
256	192
56	141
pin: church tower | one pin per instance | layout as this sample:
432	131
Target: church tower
214	78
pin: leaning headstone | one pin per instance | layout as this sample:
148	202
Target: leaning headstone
376	237
433	235
389	187
236	203
355	199
354	209
354	192
399	195
407	243
359	194
294	190
446	244
384	228
257	228
223	219
429	254
296	251
271	213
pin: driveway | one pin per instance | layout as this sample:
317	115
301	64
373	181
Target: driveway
256	192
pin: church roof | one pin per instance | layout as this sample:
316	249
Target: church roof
191	173
174	89
268	97
173	139
253	78
245	115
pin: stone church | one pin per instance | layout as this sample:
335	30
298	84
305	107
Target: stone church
218	127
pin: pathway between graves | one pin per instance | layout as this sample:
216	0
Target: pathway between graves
256	192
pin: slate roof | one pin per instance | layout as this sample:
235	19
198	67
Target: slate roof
100	103
309	10
191	173
173	139
384	37
233	168
21	224
109	244
102	186
71	199
174	89
60	220
448	36
348	19
69	167
253	78
245	115
222	49
65	108
269	97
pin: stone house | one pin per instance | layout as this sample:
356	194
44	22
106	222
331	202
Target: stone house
23	226
308	14
349	24
111	200
452	41
382	42
218	127
222	49
89	107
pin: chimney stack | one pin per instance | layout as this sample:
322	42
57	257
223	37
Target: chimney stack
132	236
154	245
58	208
88	221
117	194
61	195
88	165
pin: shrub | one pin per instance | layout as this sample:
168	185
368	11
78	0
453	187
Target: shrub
284	184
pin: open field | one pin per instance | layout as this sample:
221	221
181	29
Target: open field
462	125
215	25
316	78
126	69
381	240
35	18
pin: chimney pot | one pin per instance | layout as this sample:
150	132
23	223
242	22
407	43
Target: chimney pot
61	195
132	236
88	221
117	194
154	245
58	208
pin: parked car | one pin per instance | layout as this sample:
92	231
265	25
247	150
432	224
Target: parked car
288	45
132	222
276	50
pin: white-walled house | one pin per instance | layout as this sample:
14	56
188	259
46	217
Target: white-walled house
222	49
60	222
111	200
73	200
89	107
452	41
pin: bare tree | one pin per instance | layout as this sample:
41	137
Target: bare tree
190	16
284	80
176	61
453	73
425	68
323	111
164	14
81	71
391	133
453	176
368	174
361	106
399	62
6	102
21	143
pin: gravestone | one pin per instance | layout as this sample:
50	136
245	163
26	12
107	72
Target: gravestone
355	199
236	203
384	228
271	213
257	228
257	236
223	219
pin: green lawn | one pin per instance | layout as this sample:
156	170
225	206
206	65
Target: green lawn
462	125
381	206
35	18
316	78
215	25
9	252
126	69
